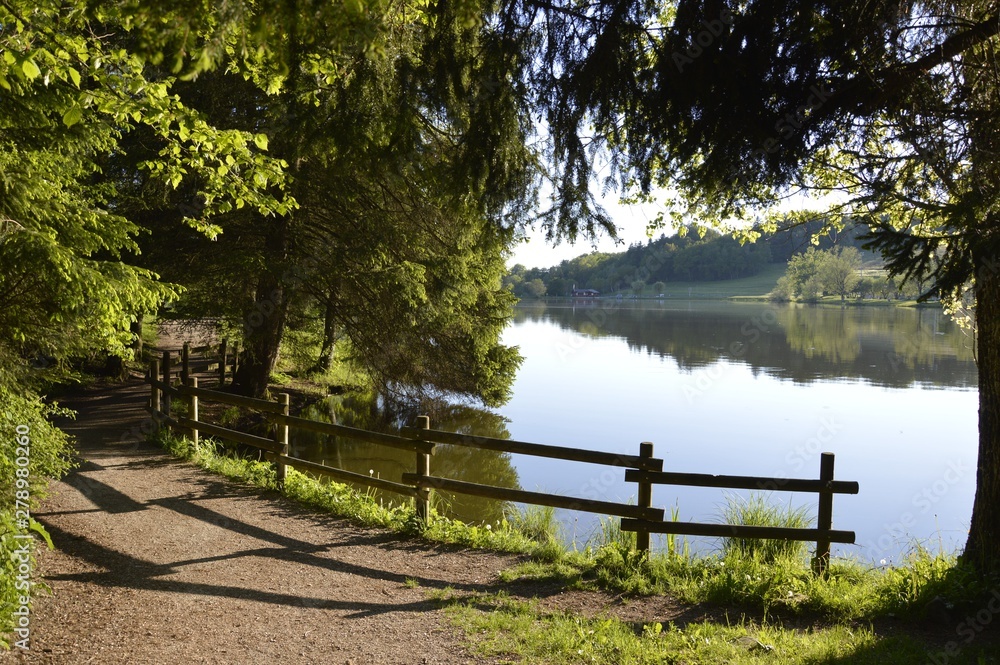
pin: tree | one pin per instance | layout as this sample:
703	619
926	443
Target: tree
839	272
893	107
535	288
817	272
406	166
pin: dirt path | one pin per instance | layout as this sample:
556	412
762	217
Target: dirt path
160	562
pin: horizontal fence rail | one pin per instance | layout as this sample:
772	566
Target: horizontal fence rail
536	449
536	498
367	436
825	487
742	482
643	469
737	531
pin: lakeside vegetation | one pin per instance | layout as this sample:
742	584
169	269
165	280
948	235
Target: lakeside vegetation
783	267
753	596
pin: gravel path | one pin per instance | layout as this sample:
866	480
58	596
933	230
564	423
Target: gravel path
160	562
157	561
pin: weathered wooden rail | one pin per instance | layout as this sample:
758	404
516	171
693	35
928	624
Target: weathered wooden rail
167	382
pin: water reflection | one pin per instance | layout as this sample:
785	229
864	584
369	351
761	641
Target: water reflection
894	347
720	387
367	412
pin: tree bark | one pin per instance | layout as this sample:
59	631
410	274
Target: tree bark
325	360
136	329
263	328
264	324
982	549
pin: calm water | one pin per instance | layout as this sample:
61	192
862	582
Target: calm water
719	387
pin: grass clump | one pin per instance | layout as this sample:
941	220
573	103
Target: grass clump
507	535
756	510
519	631
764	579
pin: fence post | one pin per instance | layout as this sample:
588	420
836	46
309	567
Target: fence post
423	503
645	498
154	393
192	382
281	438
236	358
824	516
222	362
166	382
185	363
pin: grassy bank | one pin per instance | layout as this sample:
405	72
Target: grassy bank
754	604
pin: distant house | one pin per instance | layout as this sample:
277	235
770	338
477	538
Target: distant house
585	293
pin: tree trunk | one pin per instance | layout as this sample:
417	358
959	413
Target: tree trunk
982	549
325	360
264	324
136	329
263	328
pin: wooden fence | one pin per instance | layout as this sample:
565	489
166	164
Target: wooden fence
167	381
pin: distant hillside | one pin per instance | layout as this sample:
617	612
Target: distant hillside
670	259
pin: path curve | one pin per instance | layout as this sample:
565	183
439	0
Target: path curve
158	561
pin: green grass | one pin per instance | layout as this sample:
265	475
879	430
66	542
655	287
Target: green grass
757	510
364	509
770	585
757	286
514	631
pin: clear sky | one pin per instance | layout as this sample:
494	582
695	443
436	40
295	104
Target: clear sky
631	221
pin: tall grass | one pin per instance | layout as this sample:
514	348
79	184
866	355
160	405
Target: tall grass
756	509
767	577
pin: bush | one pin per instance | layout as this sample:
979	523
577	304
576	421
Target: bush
32	451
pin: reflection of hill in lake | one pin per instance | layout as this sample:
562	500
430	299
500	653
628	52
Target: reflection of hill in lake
886	346
458	462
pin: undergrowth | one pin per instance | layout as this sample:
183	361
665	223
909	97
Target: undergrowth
768	579
510	630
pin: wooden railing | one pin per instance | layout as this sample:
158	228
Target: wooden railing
826	487
167	382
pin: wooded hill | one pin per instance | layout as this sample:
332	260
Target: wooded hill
682	257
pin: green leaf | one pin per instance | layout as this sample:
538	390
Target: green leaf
261	141
72	116
30	69
74	76
38	528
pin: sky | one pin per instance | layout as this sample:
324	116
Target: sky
631	220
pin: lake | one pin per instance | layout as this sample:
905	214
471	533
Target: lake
725	388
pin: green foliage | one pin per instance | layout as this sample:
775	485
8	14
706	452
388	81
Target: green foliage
26	432
685	258
814	273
